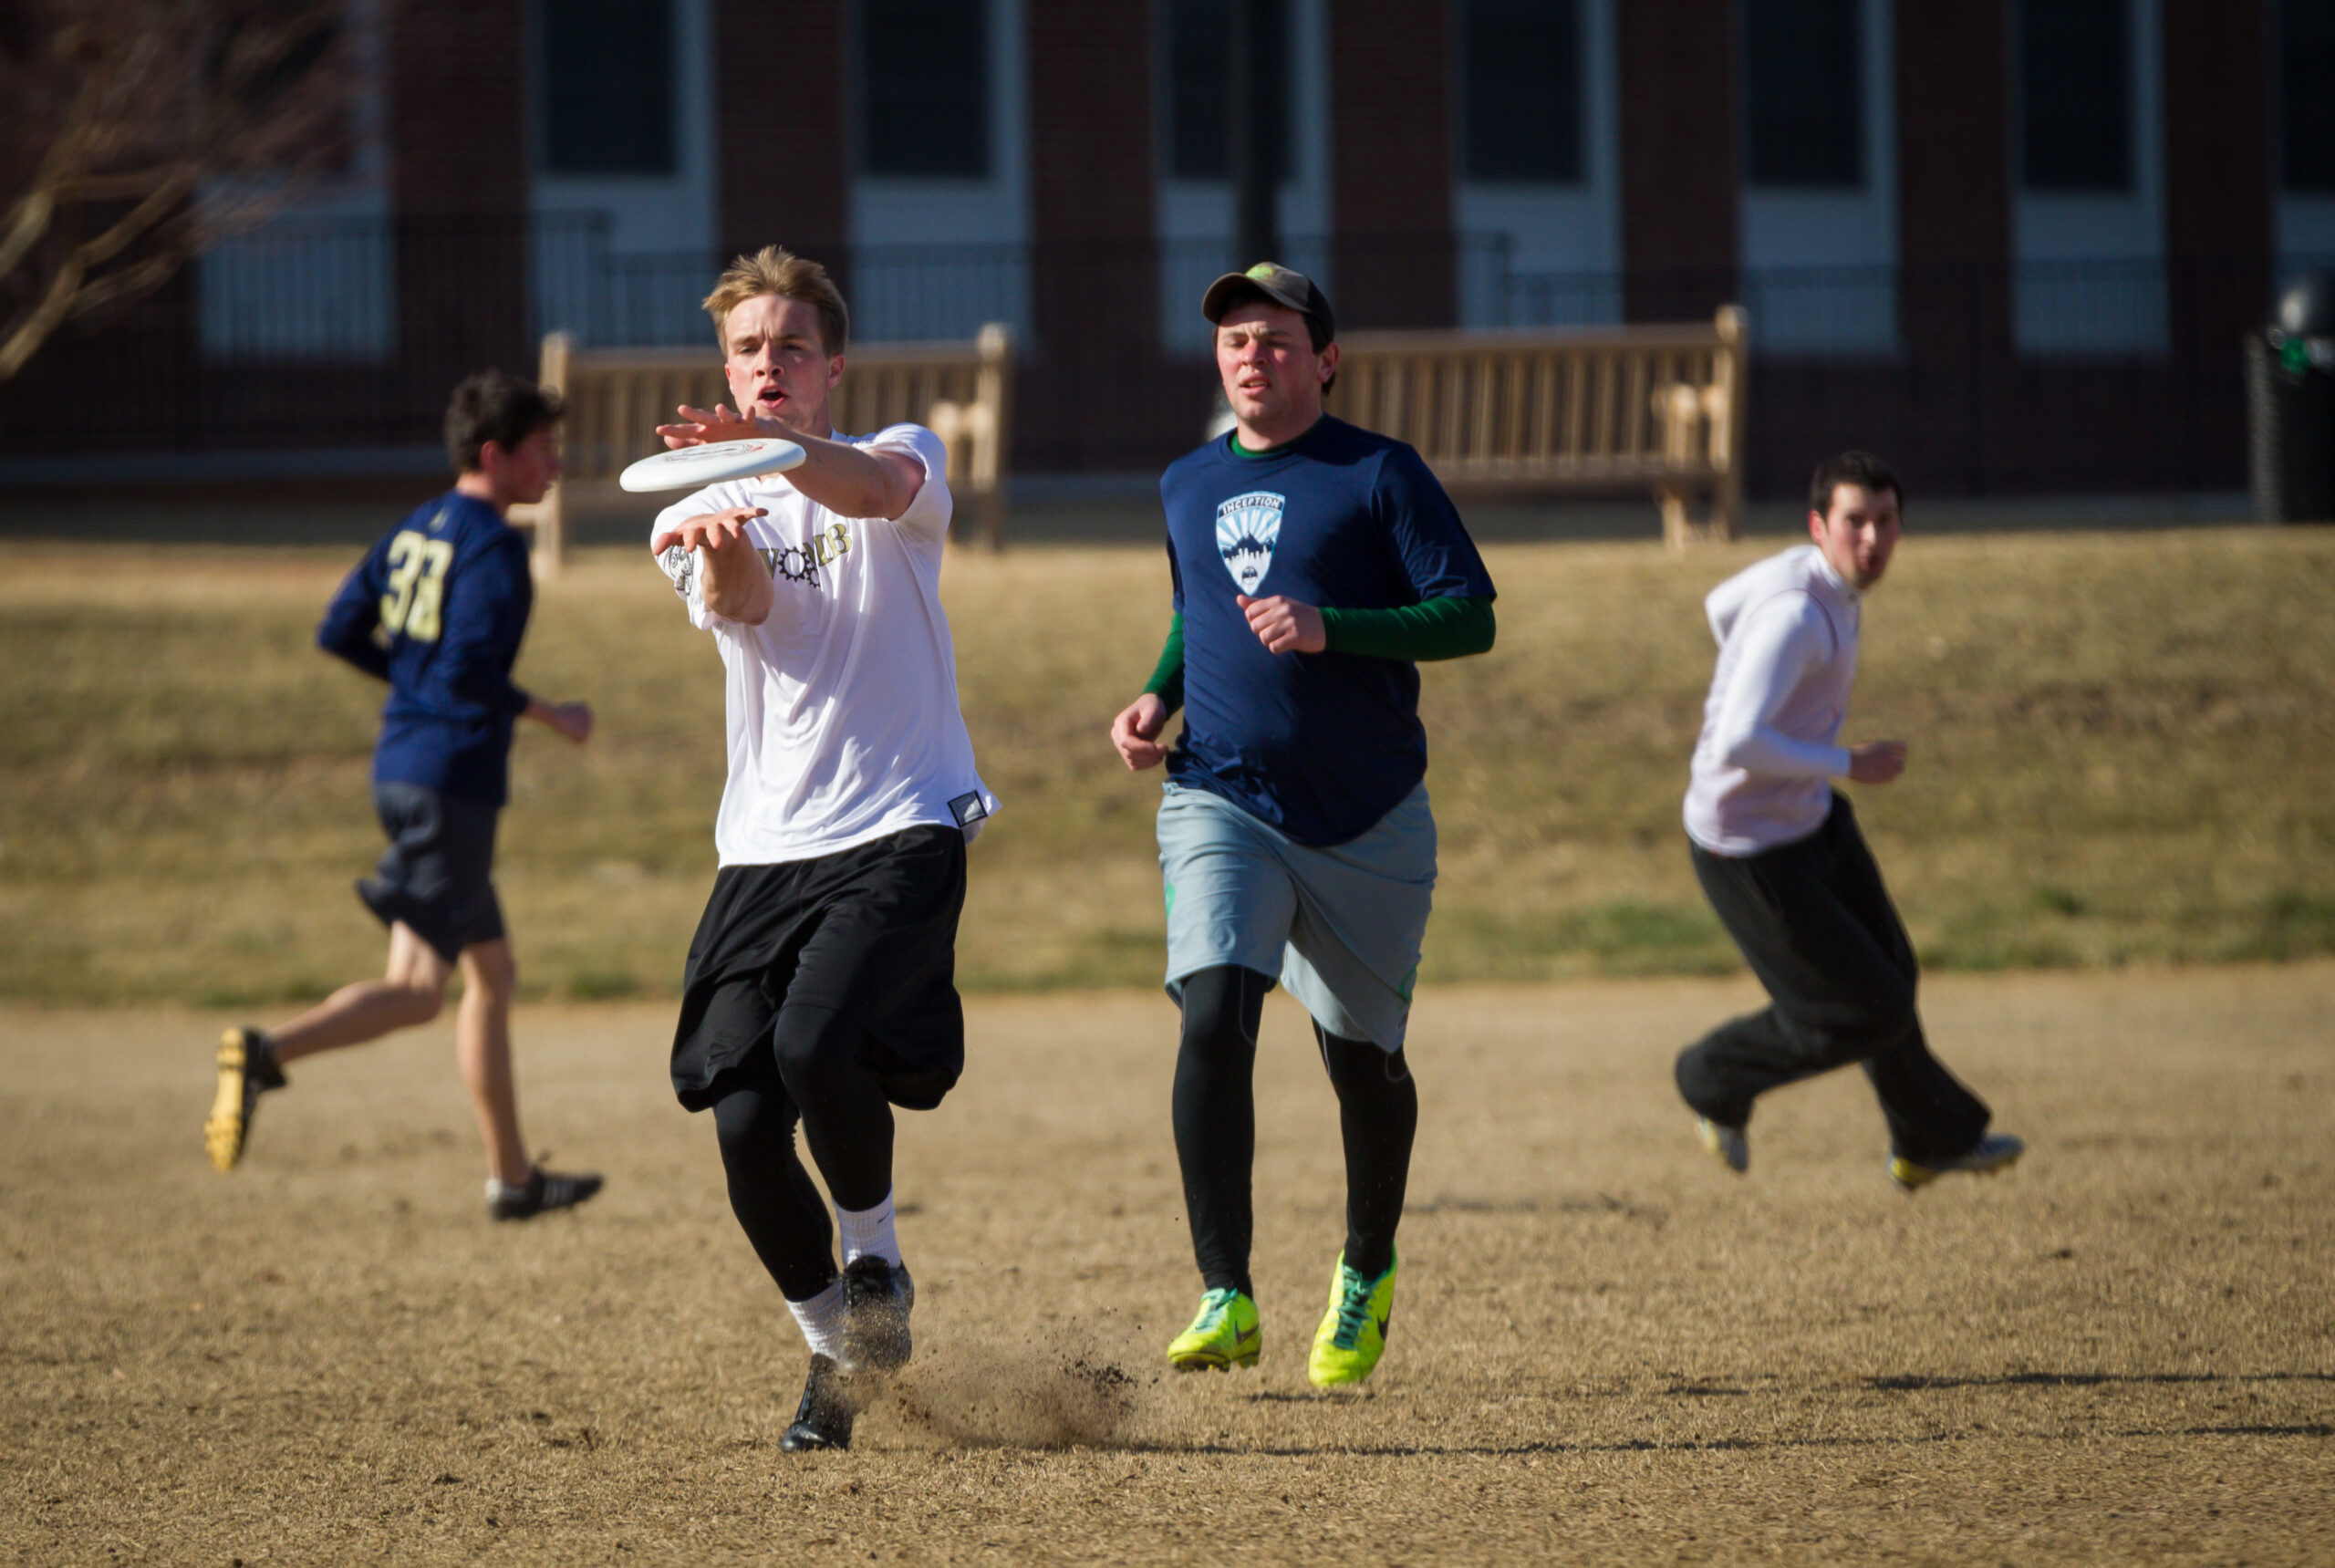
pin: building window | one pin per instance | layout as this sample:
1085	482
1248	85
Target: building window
924	89
1199	89
2306	97
1521	91
608	87
1803	76
2075	95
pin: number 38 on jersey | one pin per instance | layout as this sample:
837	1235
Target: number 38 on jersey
417	585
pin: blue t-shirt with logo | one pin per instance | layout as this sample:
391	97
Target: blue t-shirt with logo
1320	745
436	610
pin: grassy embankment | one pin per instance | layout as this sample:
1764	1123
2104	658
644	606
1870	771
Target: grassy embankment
2122	753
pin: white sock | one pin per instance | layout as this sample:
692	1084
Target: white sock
821	1321
866	1231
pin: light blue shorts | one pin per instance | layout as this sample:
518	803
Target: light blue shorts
1341	927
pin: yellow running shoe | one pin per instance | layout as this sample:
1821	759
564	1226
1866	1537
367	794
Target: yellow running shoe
1225	1335
246	1070
1352	1335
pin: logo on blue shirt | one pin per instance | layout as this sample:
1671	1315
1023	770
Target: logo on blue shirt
1247	529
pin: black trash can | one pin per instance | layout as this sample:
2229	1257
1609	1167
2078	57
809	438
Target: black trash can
2290	406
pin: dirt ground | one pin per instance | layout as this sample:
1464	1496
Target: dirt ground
1605	1347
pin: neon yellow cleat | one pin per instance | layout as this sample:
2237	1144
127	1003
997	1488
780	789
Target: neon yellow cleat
1352	1335
1225	1335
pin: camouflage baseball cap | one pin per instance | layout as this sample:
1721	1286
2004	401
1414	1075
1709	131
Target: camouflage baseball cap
1276	282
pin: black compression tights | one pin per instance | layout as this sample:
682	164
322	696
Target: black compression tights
771	1193
1216	1128
1378	1114
847	1123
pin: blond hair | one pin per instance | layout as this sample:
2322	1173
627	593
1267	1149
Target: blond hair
773	270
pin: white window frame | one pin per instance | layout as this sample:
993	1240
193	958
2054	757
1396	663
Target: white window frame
644	214
260	296
1569	233
991	213
2079	316
1820	268
1195	219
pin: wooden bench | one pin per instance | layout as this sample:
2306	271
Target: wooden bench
1565	412
616	397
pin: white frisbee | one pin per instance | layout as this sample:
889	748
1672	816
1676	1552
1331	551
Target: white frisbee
690	467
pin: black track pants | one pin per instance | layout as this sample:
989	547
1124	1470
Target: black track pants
1815	924
846	1119
1216	1128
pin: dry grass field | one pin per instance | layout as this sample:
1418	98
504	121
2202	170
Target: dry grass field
2121	750
1605	1349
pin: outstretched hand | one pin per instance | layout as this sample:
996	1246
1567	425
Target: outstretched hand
703	427
1284	625
710	531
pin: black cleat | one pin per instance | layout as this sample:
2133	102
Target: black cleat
544	1191
824	1419
876	1300
247	1070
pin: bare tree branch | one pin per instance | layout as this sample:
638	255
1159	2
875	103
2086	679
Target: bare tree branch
152	130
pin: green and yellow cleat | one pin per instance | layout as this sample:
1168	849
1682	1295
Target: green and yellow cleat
1352	1335
1225	1335
1995	1152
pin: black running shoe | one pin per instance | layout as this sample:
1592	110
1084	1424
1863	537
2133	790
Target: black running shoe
877	1299
824	1419
544	1190
247	1070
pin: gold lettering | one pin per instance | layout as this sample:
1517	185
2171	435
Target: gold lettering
770	559
405	566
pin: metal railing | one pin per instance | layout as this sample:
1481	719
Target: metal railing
326	289
346	332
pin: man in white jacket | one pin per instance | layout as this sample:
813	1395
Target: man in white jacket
1779	857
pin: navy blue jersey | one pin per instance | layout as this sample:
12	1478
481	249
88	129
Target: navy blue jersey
436	610
1320	745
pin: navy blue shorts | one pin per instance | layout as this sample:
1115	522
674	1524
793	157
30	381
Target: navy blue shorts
435	876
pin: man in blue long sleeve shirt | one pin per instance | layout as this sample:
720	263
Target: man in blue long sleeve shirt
437	609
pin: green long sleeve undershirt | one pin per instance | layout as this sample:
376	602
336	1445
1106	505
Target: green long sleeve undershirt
1429	630
1167	681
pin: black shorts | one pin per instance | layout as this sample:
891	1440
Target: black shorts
870	933
435	874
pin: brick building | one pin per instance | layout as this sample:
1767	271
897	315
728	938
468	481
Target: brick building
2014	245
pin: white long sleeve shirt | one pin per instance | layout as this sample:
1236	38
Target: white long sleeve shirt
1787	633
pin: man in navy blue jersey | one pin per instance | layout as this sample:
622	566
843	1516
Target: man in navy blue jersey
1315	565
437	609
